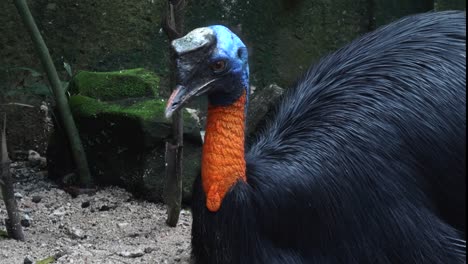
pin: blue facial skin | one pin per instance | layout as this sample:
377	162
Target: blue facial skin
235	79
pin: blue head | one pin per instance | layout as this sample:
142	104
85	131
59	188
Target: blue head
211	61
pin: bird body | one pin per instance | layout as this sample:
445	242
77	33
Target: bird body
363	160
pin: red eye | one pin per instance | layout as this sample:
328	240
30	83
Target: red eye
218	66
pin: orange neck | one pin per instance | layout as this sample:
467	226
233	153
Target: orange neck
223	161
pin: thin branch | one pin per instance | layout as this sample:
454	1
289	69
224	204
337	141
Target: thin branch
59	92
172	24
12	223
18	104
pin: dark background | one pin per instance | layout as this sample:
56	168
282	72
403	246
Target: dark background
284	38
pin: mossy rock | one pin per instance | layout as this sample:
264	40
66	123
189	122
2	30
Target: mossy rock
147	112
116	85
124	134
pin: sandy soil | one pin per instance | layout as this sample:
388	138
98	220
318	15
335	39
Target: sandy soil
106	227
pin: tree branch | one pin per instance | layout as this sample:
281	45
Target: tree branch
172	24
59	93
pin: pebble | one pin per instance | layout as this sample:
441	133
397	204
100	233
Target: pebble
122	225
59	212
34	159
149	250
76	233
132	254
28	260
18	195
26	221
104	208
85	204
36	199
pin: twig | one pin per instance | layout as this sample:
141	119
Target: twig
19	104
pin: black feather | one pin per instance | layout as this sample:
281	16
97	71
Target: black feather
363	161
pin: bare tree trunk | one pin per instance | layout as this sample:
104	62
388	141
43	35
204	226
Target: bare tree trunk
173	26
59	93
13	222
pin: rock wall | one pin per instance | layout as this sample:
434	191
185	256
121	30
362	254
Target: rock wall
284	36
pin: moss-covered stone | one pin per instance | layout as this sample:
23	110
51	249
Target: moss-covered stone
115	85
143	108
124	138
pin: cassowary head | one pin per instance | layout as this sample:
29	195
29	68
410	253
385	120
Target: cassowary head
210	61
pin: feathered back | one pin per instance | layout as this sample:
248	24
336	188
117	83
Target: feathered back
362	162
377	124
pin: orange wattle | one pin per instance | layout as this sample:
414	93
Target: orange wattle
223	161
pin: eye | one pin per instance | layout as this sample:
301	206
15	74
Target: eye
218	66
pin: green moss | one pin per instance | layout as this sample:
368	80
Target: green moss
48	260
3	234
116	85
148	110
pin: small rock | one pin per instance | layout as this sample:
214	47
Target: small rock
133	235
61	254
26	221
132	254
104	208
122	225
28	260
18	195
36	199
34	159
149	250
59	212
76	233
85	204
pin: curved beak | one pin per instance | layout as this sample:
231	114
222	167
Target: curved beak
182	95
175	101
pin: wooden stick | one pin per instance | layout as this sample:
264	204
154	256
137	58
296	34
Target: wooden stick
13	222
173	26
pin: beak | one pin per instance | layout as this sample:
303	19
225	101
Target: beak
175	101
182	95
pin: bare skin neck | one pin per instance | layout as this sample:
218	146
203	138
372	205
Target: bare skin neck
223	158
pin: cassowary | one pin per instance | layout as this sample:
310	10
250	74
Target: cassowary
363	161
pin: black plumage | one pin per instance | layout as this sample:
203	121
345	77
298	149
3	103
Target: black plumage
362	162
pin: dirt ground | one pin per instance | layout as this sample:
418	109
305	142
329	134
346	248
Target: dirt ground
106	227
